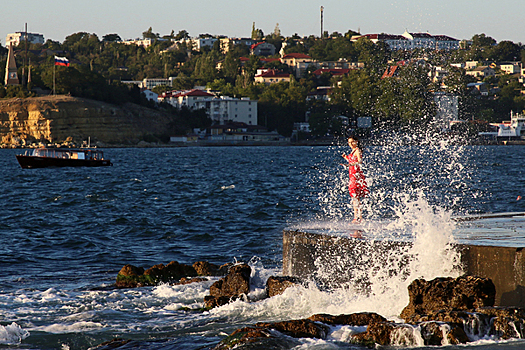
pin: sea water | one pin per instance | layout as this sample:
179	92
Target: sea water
65	234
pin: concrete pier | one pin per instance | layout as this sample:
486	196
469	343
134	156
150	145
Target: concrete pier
333	260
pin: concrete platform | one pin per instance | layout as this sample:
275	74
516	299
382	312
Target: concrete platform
331	260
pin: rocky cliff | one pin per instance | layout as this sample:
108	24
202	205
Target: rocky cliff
56	119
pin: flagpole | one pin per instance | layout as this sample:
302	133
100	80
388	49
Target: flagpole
54	68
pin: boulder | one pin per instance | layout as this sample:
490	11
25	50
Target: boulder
276	285
356	319
204	268
298	328
462	293
131	276
231	287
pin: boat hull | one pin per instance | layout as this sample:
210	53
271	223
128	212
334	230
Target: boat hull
30	162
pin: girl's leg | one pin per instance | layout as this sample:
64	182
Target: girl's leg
357	209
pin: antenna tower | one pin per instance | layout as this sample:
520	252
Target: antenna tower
322	9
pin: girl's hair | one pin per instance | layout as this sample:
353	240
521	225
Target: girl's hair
354	137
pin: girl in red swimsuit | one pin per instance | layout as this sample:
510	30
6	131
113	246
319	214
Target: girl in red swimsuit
357	183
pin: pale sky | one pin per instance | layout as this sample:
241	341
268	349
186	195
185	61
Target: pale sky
460	19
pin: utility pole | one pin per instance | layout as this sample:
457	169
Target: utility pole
322	9
25	59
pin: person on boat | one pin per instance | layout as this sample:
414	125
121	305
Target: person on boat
357	183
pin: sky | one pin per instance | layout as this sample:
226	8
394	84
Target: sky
460	19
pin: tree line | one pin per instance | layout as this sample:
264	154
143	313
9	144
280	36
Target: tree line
99	65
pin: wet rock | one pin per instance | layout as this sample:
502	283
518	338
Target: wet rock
235	284
298	328
376	333
276	285
204	268
356	319
131	276
462	293
256	338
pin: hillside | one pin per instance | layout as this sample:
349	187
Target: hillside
55	119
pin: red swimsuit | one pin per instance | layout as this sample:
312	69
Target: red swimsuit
357	183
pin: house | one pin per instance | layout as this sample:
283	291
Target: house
150	95
139	42
16	38
481	72
226	43
394	42
334	72
510	67
186	98
298	62
263	49
195	43
272	76
223	109
321	93
478	88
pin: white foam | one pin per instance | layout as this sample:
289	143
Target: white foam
12	334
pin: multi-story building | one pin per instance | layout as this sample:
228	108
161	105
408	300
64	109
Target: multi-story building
187	98
226	43
223	110
16	38
271	76
410	41
263	49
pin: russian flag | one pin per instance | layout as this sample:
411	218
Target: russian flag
61	61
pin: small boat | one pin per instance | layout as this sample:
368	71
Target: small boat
61	157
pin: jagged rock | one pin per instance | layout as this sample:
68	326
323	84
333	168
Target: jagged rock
376	333
462	293
205	268
433	332
131	276
356	319
298	328
235	284
256	338
276	285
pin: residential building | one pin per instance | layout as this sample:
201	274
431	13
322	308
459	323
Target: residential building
321	93
272	76
186	98
410	41
298	62
226	43
150	95
510	67
197	43
223	110
481	72
139	42
16	38
334	72
263	49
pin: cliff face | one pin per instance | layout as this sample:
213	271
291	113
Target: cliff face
60	118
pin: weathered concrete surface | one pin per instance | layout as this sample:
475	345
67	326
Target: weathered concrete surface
332	261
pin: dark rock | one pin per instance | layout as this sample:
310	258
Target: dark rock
276	285
131	276
231	287
298	328
204	268
462	293
256	338
376	333
356	319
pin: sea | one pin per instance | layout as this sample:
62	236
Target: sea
65	233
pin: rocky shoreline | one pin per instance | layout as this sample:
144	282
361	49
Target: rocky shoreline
443	311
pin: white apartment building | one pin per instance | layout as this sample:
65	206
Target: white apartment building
16	38
223	110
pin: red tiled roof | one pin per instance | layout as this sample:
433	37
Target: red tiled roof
268	60
272	73
390	72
